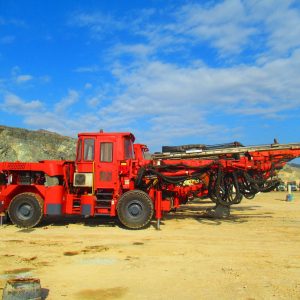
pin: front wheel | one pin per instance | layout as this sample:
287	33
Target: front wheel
135	209
26	210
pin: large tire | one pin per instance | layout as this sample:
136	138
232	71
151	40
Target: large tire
26	210
135	209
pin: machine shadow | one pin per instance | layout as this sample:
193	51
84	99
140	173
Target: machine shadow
198	212
64	221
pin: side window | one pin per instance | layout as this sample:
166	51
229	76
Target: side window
89	145
106	152
79	150
128	149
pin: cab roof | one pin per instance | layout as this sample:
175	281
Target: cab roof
100	133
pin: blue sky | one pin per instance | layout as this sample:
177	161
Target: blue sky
171	72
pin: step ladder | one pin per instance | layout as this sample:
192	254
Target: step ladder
103	203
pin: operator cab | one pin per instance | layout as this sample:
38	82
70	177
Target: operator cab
98	157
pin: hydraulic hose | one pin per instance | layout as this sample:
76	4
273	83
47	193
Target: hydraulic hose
226	188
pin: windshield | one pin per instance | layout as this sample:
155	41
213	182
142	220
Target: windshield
89	145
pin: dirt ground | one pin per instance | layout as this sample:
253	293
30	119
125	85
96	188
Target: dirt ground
255	254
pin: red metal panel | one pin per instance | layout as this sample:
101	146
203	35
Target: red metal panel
68	204
50	167
54	194
88	201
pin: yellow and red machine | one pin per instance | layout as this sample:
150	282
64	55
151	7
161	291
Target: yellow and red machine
113	176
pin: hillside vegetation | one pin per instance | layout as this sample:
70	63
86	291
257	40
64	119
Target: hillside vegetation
27	145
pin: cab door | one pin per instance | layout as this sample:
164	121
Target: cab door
105	163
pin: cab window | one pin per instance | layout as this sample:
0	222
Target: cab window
106	152
89	149
128	149
79	150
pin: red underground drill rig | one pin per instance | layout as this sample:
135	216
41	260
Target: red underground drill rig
112	176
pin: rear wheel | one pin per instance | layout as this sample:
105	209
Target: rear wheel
26	210
135	209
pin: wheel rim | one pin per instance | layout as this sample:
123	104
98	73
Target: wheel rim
135	209
25	211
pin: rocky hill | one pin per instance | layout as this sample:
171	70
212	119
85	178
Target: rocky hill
27	145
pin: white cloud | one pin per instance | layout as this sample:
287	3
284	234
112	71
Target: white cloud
267	28
231	27
36	114
225	25
19	78
23	78
278	25
284	28
13	103
88	69
88	86
98	23
133	49
94	101
45	78
67	101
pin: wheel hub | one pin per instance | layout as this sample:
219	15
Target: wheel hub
25	211
135	209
